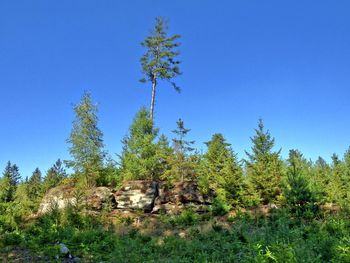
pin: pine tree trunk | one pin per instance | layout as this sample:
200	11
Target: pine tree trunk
154	84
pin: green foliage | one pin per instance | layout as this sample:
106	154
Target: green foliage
34	185
54	176
164	155
220	171
320	178
187	217
159	61
277	238
297	192
182	163
9	182
109	175
86	143
264	167
139	159
14	238
219	207
336	187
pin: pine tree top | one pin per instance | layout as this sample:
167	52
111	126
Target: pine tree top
159	61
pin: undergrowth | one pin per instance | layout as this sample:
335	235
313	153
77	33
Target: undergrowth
275	238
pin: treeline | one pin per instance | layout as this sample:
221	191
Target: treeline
261	178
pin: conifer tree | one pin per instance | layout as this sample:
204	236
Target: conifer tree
110	174
347	167
338	187
182	162
321	176
346	179
221	171
86	143
264	167
54	175
139	159
34	184
297	192
165	154
9	182
347	164
23	204
159	62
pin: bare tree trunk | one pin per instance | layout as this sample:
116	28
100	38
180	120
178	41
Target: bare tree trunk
154	84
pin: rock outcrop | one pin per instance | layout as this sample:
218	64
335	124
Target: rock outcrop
64	195
135	195
99	198
148	196
172	200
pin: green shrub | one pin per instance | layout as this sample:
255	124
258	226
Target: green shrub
219	207
188	217
14	238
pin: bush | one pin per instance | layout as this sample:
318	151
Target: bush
188	217
14	238
219	207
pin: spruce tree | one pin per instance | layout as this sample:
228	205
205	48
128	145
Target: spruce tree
182	165
54	175
321	177
346	179
347	164
337	187
159	62
34	185
221	171
23	204
110	175
86	143
9	182
297	192
264	167
165	155
139	159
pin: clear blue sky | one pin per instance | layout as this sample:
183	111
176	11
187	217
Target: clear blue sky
285	61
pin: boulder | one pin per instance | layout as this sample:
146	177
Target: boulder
62	196
135	195
58	197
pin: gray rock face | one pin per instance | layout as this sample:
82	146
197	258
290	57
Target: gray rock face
58	197
148	196
100	197
137	195
180	196
61	196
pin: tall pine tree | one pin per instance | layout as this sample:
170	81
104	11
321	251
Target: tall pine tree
159	62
